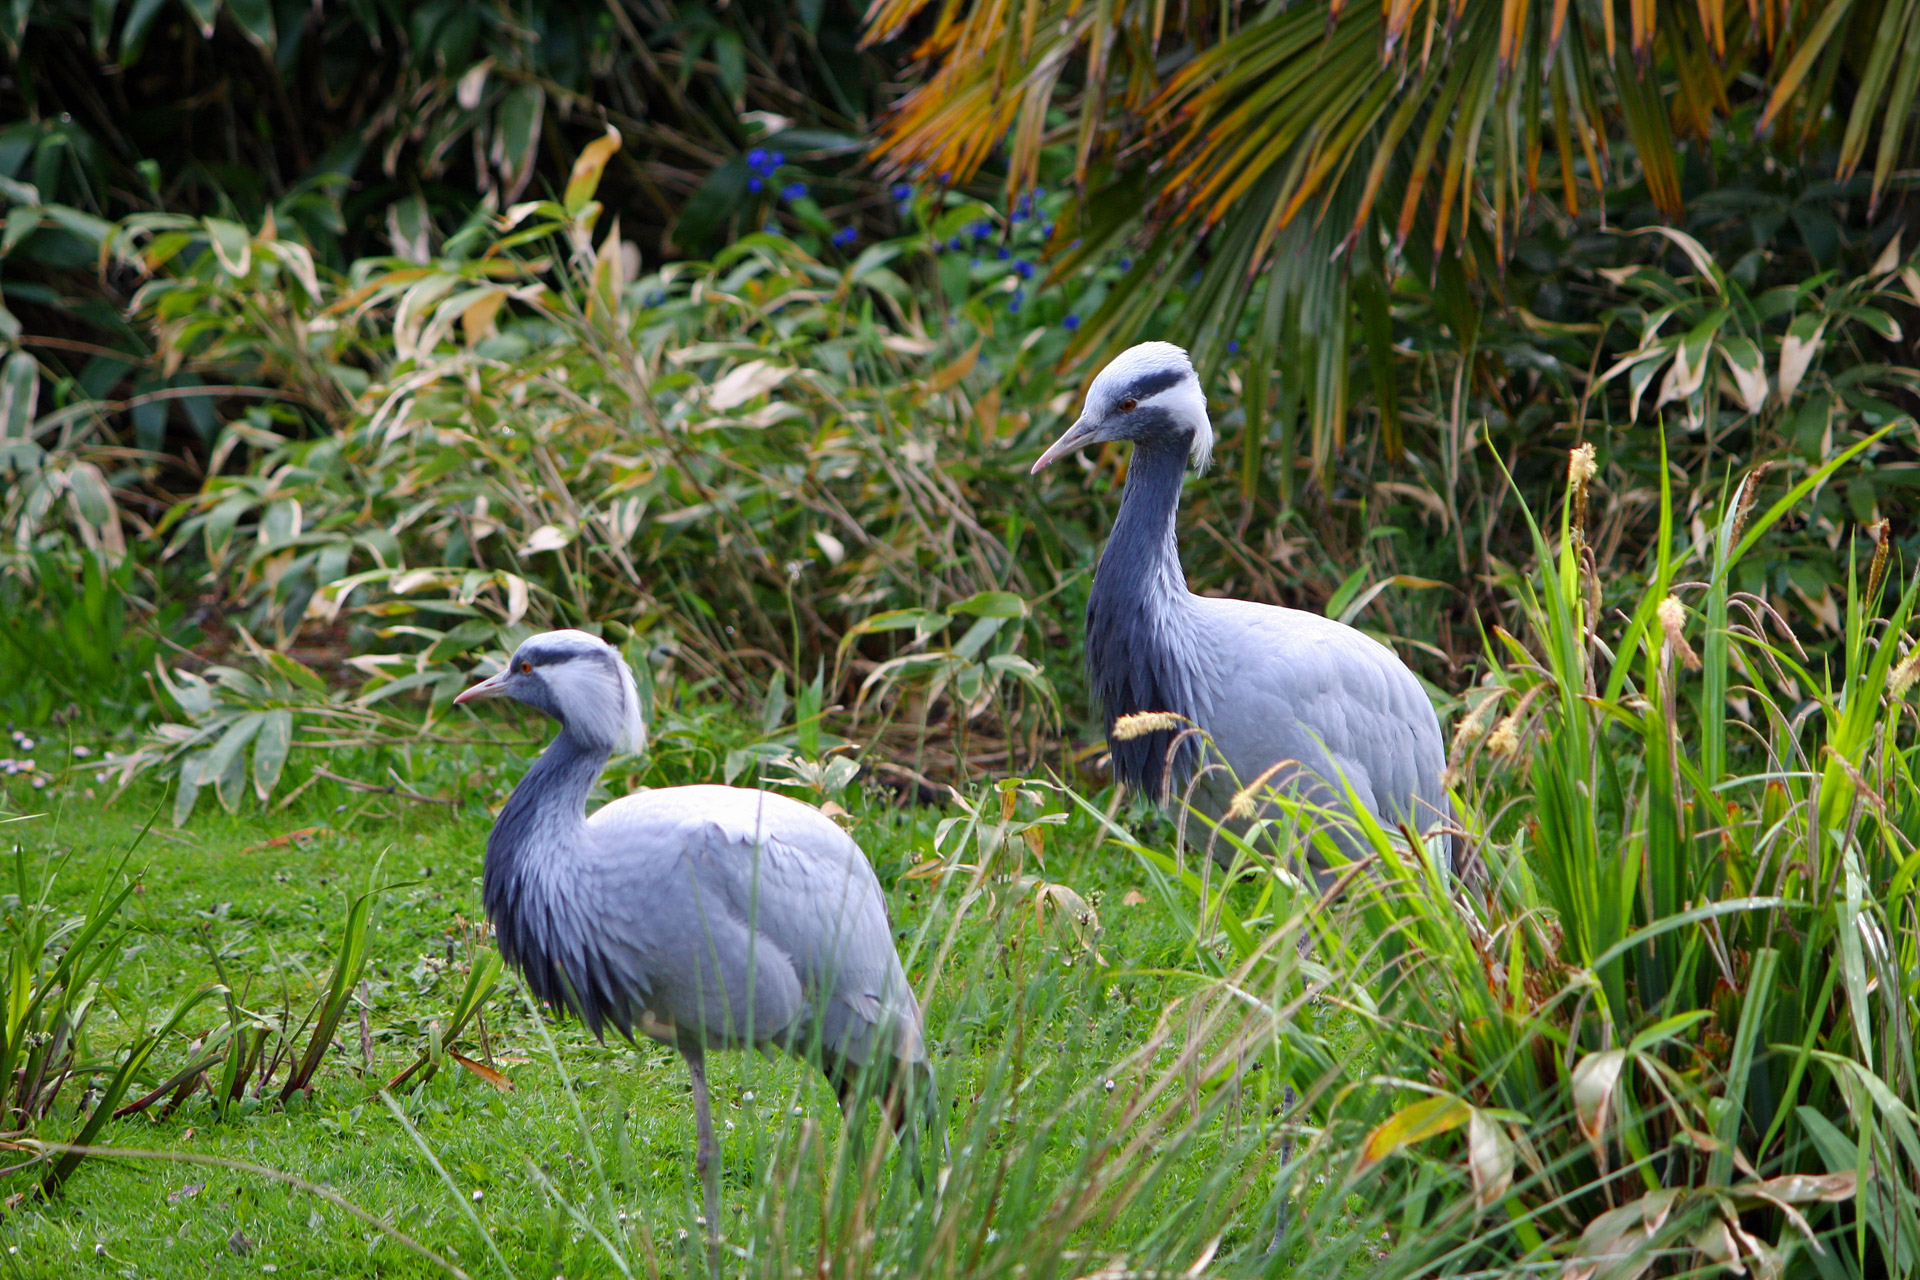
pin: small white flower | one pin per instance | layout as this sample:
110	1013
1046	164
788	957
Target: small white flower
747	1096
478	1194
26	744
39	784
83	752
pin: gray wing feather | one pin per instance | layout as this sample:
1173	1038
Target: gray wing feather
1294	685
757	908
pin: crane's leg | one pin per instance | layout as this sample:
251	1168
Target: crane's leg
706	1156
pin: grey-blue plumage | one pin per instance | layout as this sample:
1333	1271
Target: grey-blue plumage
1269	685
703	916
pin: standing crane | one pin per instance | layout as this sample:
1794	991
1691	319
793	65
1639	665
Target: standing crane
702	916
1310	704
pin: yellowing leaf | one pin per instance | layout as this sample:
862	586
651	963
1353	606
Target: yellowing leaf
1748	372
746	382
1489	1159
1594	1078
585	178
476	322
548	537
952	374
1422	1120
1797	351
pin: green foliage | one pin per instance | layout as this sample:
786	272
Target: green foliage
1672	1020
1307	163
54	966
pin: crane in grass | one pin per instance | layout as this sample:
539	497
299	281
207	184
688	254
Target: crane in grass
1302	703
705	917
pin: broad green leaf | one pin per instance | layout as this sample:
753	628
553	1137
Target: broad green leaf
270	747
992	604
232	246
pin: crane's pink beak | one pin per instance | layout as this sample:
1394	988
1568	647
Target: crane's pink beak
492	687
1078	436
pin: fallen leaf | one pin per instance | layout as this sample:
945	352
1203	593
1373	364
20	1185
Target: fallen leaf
187	1192
484	1071
301	836
1134	898
239	1243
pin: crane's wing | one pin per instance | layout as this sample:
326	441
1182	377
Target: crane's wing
757	904
1293	685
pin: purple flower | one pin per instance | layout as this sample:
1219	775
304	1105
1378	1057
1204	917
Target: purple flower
1019	215
754	184
1013	304
901	191
794	191
982	229
1233	347
1126	264
757	158
955	243
1005	253
772	228
846	236
1025	269
778	158
1047	231
1071	322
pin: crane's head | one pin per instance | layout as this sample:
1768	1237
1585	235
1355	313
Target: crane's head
579	680
1149	394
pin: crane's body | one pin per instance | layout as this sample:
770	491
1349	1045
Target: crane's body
1269	686
703	916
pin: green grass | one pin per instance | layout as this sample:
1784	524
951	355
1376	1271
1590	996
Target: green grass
1029	1025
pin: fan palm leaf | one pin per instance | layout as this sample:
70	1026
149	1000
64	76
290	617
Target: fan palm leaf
1281	148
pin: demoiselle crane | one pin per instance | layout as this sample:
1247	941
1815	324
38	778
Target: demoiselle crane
705	917
1322	705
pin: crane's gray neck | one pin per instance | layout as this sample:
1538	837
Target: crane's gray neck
1141	652
534	883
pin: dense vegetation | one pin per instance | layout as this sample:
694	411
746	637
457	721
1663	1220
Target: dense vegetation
347	345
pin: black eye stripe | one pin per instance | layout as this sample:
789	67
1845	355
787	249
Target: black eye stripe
1150	385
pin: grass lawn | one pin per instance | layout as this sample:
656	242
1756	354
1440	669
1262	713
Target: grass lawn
1028	1027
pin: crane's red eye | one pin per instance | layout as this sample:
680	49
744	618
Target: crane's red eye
1128	404
526	668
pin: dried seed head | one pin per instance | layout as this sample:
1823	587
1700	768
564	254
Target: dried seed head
1673	620
1878	531
1504	742
1580	465
1244	806
1581	468
1749	491
1901	678
1141	723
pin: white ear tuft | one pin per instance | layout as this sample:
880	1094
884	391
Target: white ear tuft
635	725
1202	451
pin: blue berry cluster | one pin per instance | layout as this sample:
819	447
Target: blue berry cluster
762	164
